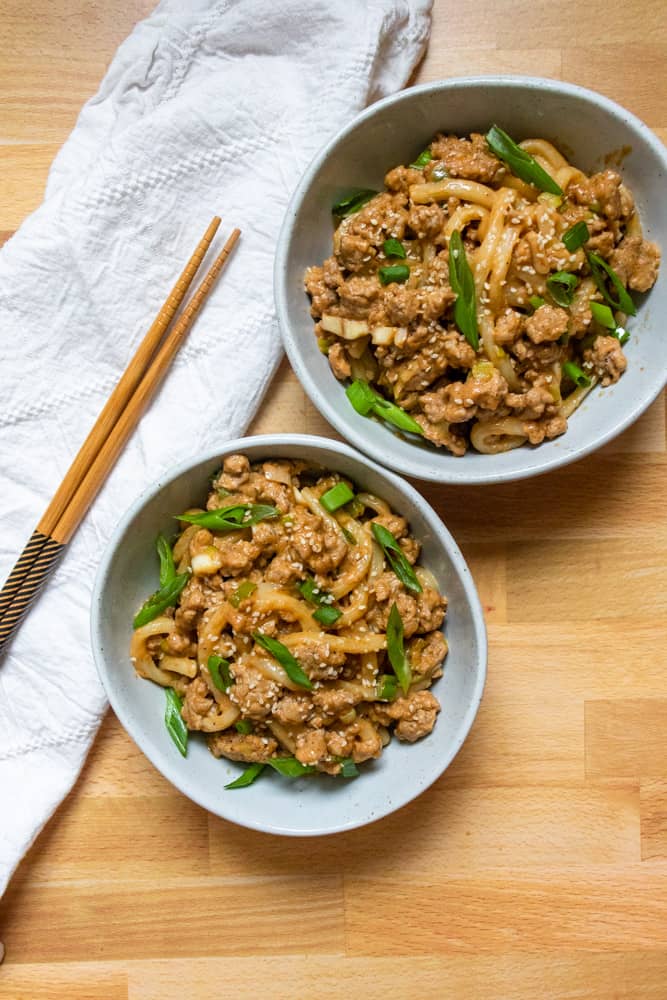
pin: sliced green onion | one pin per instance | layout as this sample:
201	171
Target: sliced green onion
219	670
519	161
365	400
352	202
244	590
536	301
348	769
424	157
561	287
393	248
396	415
603	315
576	236
162	599
243	726
395	650
621	335
315	595
575	374
336	497
327	616
166	557
285	659
386	687
348	536
249	775
602	275
174	722
393	272
234	518
290	767
361	396
396	557
463	283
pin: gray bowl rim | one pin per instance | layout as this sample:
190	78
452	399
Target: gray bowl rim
445	538
452	474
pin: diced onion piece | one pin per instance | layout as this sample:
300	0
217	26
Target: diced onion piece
354	328
383	335
179	665
332	324
401	336
208	561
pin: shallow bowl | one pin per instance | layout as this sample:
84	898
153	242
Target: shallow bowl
305	806
588	128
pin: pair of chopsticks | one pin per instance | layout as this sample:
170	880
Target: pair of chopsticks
103	445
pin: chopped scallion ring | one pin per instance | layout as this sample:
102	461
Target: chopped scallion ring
575	374
336	497
393	272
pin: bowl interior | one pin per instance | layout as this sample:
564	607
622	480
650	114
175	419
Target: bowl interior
315	805
589	130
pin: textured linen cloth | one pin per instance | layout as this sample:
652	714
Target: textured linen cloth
208	108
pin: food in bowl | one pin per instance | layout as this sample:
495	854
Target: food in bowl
479	298
294	625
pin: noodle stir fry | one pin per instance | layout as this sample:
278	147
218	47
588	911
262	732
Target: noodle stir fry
480	297
293	626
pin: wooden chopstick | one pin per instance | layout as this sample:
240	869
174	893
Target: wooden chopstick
103	462
105	421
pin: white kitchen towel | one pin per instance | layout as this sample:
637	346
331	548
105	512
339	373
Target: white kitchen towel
208	108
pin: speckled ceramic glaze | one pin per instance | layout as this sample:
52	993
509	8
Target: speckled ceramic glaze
317	804
587	128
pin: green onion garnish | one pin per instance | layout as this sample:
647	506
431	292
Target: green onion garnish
174	722
309	589
348	536
361	396
424	157
393	248
244	590
336	497
561	287
576	236
285	659
395	650
396	557
162	599
290	767
219	671
166	557
603	275
234	518
575	374
327	616
243	726
249	775
386	689
393	272
603	315
463	283
396	415
519	161
536	301
352	202
348	769
366	400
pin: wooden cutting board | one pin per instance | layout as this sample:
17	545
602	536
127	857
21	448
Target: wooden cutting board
537	866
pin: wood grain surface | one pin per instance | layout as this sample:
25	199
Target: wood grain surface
537	866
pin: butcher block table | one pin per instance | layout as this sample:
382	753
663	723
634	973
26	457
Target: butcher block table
536	867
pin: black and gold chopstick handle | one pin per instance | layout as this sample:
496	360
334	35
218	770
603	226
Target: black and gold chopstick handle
43	552
36	543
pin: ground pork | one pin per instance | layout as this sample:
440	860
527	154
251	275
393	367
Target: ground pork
605	357
400	179
315	543
339	361
636	262
548	427
249	747
357	294
426	221
508	327
414	715
460	401
427	654
252	691
468	158
441	434
421	613
604	192
319	661
235	472
200	709
292	709
532	404
547	323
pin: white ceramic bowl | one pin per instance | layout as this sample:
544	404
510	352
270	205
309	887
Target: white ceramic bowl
317	804
587	127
